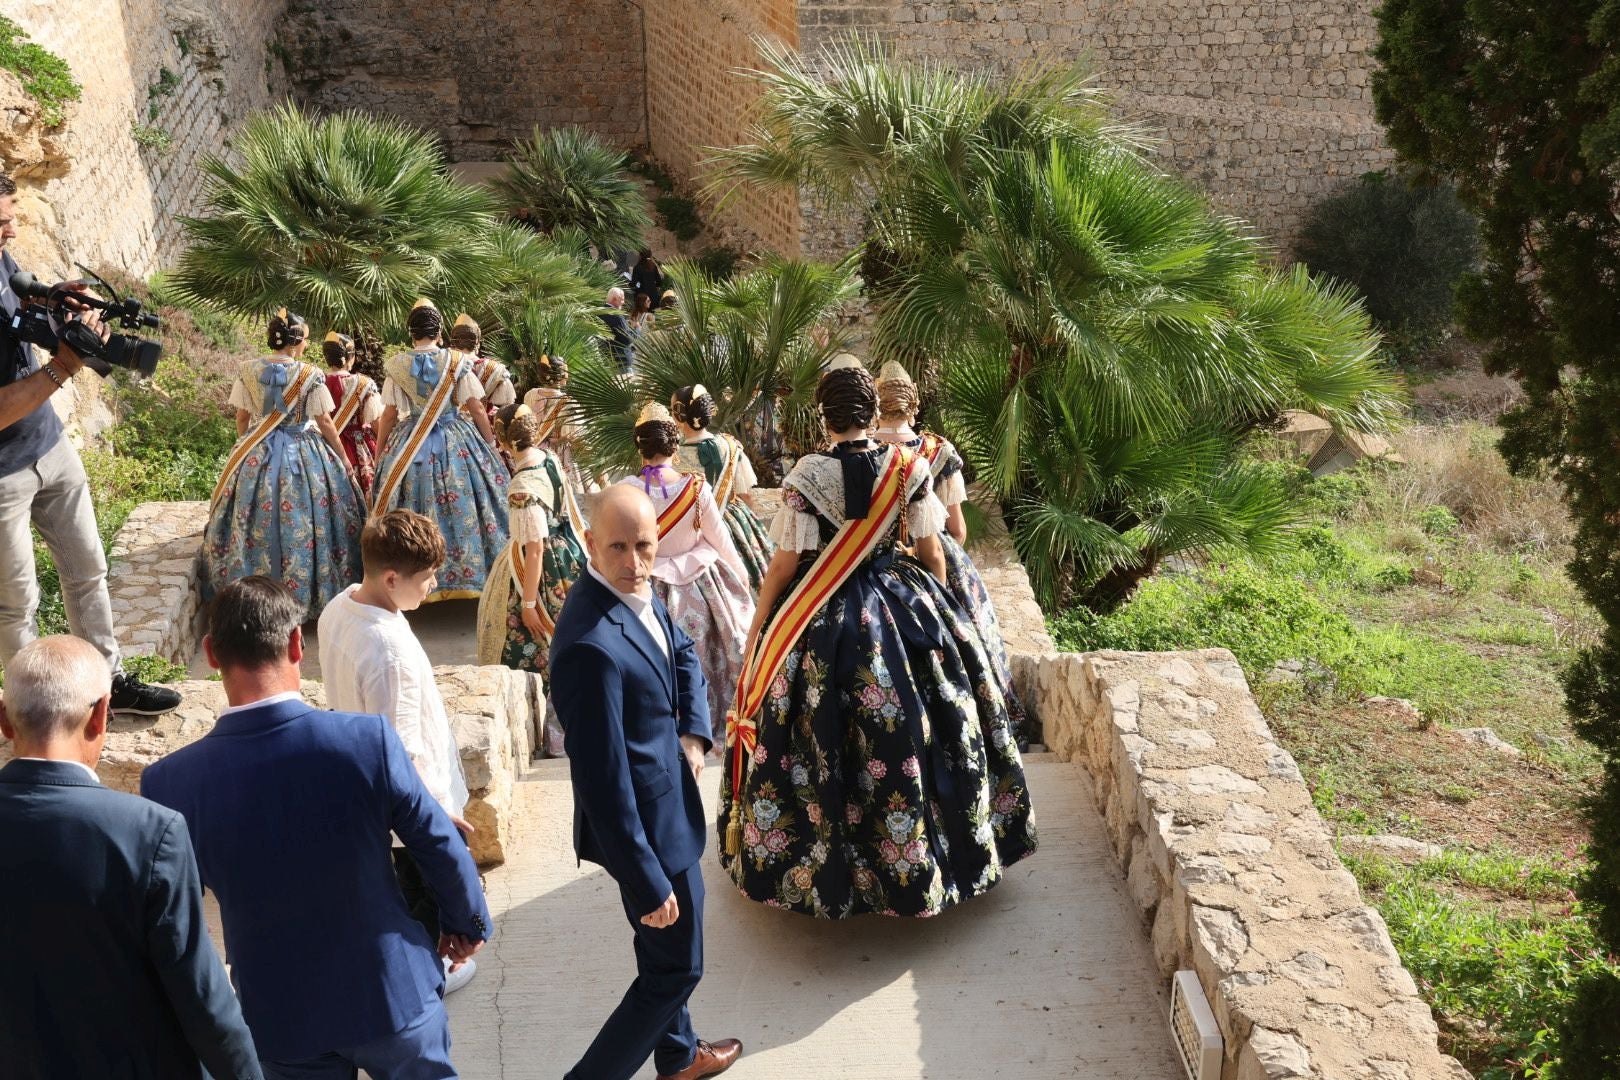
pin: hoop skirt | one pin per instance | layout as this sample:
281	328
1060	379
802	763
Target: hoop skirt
886	778
290	511
502	637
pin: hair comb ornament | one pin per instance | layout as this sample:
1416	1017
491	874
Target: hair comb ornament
653	411
845	360
894	371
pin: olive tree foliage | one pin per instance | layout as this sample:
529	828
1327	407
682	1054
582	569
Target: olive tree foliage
1518	105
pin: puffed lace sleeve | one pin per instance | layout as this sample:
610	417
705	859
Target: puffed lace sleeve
950	490
504	393
317	398
795	527
395	395
242	396
526	518
925	514
468	388
371	405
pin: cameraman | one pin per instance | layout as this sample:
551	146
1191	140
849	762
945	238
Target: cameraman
43	481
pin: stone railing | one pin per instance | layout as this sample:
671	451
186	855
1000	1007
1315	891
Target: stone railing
153	573
1232	867
493	711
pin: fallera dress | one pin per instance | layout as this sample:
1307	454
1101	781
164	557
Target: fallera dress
445	471
536	513
725	465
498	391
284	506
558	430
357	405
702	581
961	575
885	778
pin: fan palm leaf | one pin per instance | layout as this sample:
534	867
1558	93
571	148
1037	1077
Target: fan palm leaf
568	178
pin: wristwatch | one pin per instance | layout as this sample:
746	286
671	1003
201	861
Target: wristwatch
531	603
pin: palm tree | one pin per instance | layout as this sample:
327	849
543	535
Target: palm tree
568	178
1104	338
756	341
346	219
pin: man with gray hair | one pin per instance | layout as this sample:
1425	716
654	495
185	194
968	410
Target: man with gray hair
108	968
619	345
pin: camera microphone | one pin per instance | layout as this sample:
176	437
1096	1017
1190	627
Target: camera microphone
24	285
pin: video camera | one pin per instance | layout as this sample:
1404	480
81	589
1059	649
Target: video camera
53	322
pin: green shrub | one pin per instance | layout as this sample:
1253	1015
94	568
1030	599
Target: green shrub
1437	521
679	215
45	76
569	178
719	263
1404	246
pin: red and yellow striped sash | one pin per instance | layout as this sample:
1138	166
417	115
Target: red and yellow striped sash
489	374
678	508
933	448
246	445
429	416
358	390
850	546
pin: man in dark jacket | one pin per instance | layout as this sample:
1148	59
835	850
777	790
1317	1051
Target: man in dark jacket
632	701
108	968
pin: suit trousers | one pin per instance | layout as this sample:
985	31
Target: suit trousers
652	1018
418	1051
54	494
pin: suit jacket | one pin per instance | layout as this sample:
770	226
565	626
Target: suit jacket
290	810
624	707
108	970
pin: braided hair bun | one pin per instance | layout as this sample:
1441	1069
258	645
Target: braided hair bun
846	398
425	321
897	394
657	438
517	426
465	335
338	349
693	406
286	329
551	372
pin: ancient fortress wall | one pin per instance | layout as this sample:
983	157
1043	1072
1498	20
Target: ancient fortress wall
477	73
1265	104
695	100
179	72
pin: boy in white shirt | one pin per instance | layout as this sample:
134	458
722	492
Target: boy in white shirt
371	662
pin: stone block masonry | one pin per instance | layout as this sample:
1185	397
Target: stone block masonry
153	574
1233	869
181	72
477	73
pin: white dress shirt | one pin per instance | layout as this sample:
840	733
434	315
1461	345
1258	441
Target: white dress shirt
641	607
371	662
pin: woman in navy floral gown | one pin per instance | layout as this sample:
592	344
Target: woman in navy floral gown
879	773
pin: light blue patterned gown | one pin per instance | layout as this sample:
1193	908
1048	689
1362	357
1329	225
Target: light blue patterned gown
290	511
455	478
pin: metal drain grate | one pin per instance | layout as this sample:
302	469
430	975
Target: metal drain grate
1193	1026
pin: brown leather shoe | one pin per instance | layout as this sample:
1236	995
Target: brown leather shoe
712	1059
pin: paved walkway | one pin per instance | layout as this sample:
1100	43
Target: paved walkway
1049	976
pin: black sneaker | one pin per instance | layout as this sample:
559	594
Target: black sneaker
130	695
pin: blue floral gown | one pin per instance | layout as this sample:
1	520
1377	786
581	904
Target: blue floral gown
455	478
290	511
886	778
961	575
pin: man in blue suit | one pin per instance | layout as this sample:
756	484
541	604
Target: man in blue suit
107	970
631	698
290	810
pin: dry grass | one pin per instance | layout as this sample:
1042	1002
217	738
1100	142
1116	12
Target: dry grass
1457	466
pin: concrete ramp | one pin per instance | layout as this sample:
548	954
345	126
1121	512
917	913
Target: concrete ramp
1049	976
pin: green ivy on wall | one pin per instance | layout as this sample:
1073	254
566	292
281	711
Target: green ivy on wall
45	76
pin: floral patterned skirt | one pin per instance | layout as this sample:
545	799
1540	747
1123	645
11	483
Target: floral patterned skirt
459	482
360	444
291	514
752	540
886	778
502	637
967	588
714	609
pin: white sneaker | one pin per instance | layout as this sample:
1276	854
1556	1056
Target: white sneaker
455	980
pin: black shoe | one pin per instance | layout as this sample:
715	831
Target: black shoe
130	695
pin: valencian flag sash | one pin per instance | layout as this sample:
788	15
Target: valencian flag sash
850	546
677	509
272	420
425	421
351	401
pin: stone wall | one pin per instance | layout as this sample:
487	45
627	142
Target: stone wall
477	74
1232	867
153	577
697	100
1264	104
183	71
